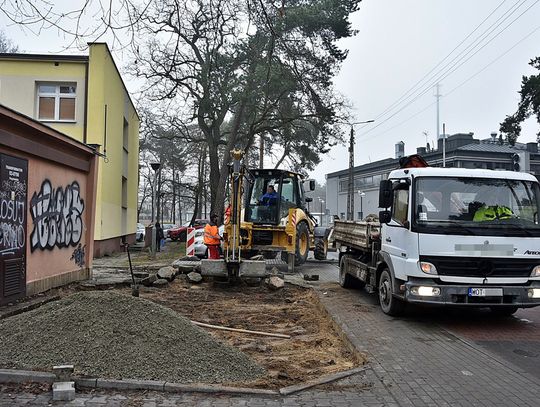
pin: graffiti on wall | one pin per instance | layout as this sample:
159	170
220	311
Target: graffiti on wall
78	255
12	211
57	216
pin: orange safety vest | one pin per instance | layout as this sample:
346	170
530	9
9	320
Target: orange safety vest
209	232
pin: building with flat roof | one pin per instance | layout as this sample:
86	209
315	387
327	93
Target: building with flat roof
462	151
84	97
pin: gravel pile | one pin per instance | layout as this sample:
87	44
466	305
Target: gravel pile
110	335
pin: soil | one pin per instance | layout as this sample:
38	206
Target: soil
315	349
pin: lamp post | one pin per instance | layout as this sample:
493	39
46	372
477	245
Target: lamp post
155	167
362	195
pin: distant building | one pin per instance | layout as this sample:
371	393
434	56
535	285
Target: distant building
462	151
84	97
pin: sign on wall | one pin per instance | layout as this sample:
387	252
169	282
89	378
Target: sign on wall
13	193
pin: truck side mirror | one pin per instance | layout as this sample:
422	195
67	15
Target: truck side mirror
385	217
312	185
386	194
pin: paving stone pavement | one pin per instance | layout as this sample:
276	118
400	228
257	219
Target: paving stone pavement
412	363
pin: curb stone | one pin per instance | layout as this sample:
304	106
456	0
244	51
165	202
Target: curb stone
24	376
286	391
197	388
21	376
130	384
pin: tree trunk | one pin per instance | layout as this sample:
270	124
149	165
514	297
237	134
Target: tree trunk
218	203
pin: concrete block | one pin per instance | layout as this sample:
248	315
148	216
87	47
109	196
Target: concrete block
63	372
213	268
253	268
63	391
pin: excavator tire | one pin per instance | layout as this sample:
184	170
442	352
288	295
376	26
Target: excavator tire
302	244
320	250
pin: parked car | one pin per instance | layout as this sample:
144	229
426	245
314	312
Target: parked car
201	250
139	234
166	227
180	233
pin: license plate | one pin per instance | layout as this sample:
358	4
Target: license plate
485	292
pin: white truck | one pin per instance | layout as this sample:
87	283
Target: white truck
448	236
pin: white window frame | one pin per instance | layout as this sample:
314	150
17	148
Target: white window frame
56	95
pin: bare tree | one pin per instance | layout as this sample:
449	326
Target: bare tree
6	45
223	72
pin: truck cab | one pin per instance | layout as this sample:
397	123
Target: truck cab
459	237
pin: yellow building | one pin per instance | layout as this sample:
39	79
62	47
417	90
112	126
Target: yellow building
85	98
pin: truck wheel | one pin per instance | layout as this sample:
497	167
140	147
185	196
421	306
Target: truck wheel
503	311
321	248
389	304
345	280
302	244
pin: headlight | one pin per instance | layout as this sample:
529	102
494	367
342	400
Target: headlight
426	291
534	292
427	268
536	272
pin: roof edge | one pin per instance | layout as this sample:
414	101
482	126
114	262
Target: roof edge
119	75
43	57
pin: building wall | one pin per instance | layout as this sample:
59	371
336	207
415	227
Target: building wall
336	199
18	88
59	206
69	188
111	115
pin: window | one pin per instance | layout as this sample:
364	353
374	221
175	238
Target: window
499	206
56	102
400	206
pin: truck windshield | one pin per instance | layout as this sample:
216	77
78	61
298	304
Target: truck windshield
477	206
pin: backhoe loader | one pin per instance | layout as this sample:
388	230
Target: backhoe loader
266	224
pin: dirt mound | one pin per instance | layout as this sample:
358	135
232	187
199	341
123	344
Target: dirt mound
106	334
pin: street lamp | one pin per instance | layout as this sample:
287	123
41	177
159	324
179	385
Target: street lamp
155	167
362	195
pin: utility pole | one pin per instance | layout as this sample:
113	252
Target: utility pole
444	145
438	96
350	183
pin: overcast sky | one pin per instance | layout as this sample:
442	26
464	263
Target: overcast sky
399	41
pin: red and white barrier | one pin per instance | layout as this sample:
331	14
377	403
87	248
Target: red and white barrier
190	242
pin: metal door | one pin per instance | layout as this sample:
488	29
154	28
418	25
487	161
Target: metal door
13	215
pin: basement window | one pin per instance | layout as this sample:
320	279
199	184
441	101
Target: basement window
56	102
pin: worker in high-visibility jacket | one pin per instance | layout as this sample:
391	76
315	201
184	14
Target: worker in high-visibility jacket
212	238
486	213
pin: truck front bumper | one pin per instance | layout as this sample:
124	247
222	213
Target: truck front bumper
425	291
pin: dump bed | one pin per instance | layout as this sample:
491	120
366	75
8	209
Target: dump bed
356	234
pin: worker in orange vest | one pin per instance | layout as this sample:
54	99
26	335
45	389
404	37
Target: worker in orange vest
212	238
